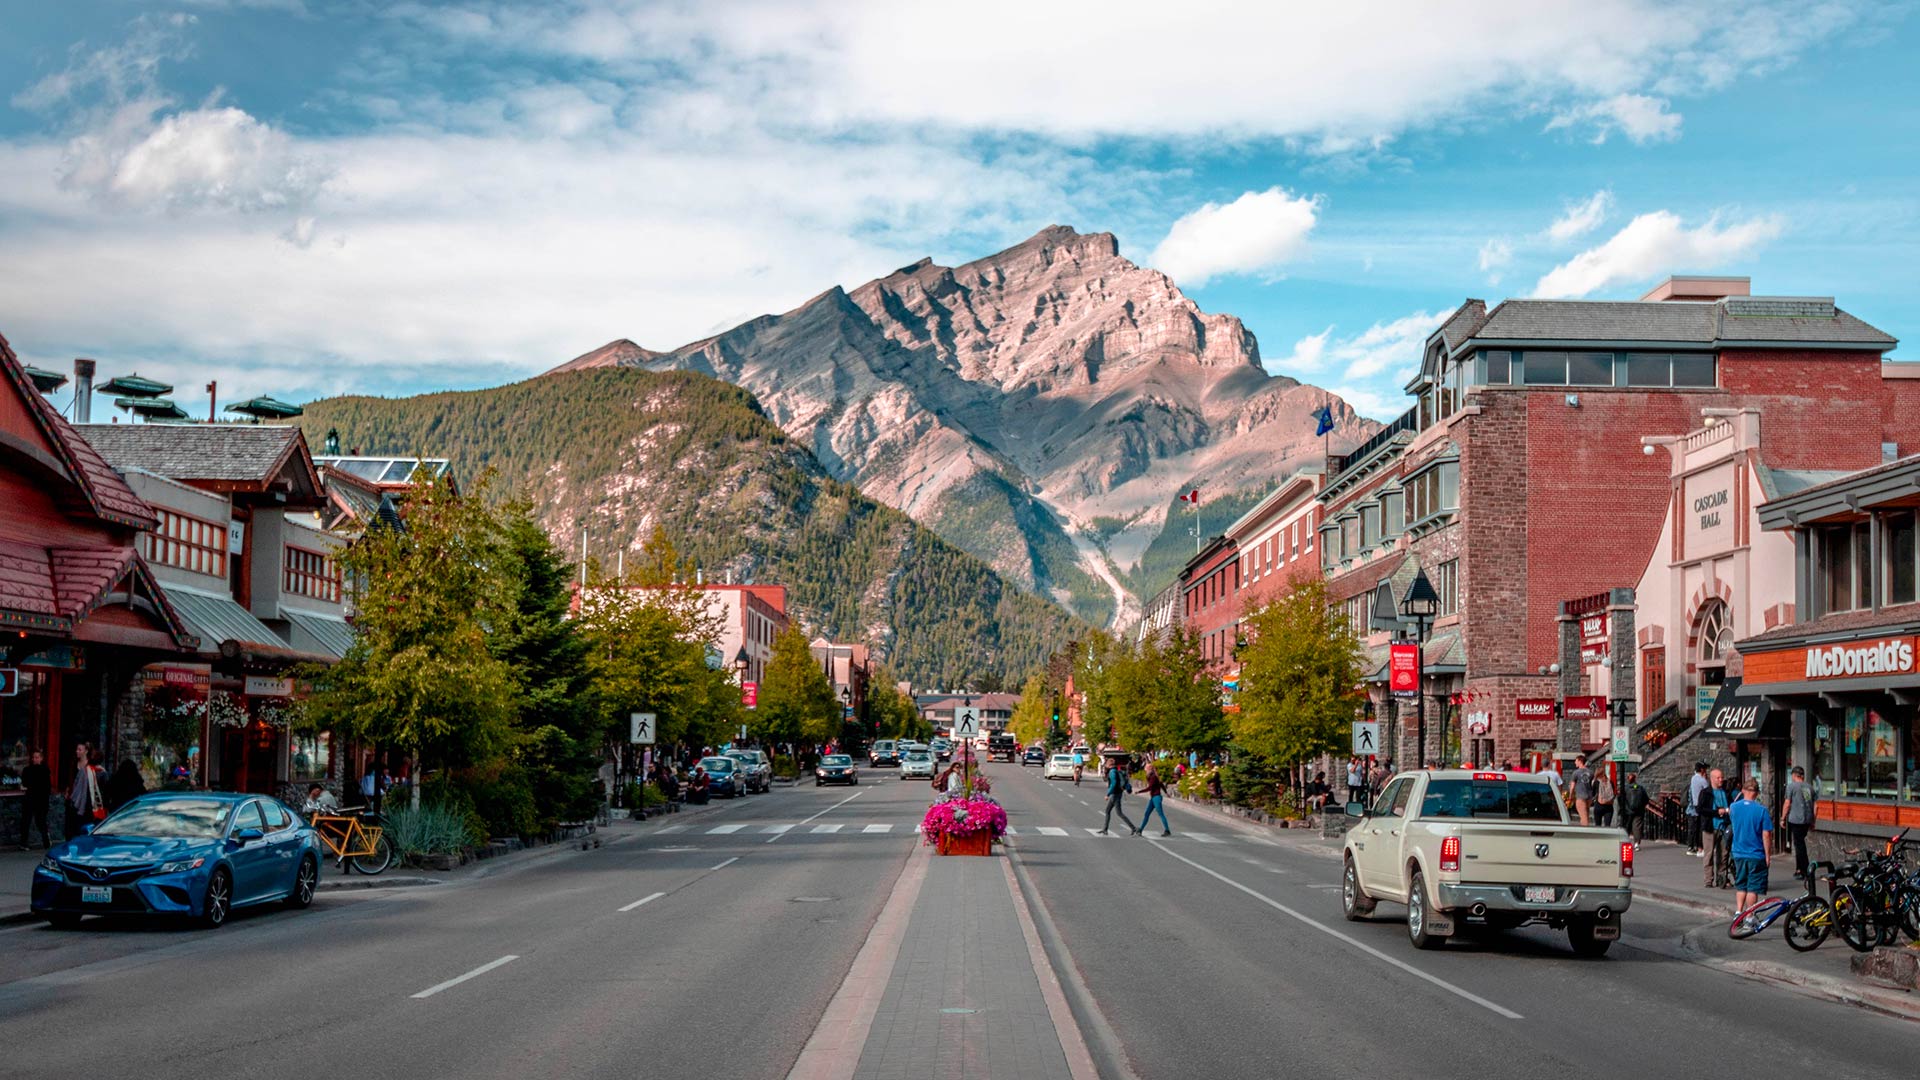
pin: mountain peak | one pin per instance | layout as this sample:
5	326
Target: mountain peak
619	352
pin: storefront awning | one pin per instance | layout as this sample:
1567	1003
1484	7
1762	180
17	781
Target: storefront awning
1745	716
334	635
218	620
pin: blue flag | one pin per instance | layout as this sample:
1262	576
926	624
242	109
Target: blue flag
1323	419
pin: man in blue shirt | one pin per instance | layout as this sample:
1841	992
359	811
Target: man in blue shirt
1748	822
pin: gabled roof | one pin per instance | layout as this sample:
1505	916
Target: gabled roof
252	454
104	494
52	590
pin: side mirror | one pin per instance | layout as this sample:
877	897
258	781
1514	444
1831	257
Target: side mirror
88	828
1358	809
247	836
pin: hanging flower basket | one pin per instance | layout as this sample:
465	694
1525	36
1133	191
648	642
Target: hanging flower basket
964	826
224	711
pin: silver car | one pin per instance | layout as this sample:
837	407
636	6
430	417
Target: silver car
756	769
916	763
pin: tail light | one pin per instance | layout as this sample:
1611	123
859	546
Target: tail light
1450	854
1626	858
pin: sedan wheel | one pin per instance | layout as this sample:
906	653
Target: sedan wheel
219	900
304	884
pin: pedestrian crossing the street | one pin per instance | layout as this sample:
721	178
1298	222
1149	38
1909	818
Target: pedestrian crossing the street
894	829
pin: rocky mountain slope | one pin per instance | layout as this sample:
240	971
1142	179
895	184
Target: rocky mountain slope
1041	407
617	451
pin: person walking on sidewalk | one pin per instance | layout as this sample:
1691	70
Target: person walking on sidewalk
1156	792
1696	821
1356	781
1796	813
1633	808
1747	825
1583	790
1117	788
36	792
84	804
1603	795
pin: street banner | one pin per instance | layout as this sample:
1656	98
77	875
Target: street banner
750	694
1403	669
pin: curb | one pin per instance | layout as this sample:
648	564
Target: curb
400	882
1899	1004
1311	844
1689	903
19	918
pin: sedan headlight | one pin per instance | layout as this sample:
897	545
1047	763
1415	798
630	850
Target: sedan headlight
180	866
49	865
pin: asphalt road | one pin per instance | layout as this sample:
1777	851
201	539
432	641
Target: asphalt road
1224	957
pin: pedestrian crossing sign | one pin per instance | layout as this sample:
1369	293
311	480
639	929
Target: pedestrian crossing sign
966	724
640	728
1366	737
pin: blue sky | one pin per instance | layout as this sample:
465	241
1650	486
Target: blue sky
301	198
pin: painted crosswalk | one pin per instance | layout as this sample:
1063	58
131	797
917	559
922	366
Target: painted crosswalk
902	828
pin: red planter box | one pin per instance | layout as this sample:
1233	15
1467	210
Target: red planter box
980	843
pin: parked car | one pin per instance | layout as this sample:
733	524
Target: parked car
199	854
1058	767
1492	848
1035	755
835	769
1002	744
885	752
758	770
916	763
724	777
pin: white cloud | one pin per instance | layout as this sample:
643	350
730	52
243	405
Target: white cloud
1654	244
1256	233
212	158
1581	218
1495	255
1639	117
1387	348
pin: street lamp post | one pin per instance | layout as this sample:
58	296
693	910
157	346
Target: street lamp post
1420	604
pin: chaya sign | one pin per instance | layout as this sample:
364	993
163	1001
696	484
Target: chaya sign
1403	669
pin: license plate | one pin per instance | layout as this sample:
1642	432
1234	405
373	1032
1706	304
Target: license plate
96	894
1540	894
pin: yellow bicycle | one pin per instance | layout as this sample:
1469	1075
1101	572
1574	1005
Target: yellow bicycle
356	840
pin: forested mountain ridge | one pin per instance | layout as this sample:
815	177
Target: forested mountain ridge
618	450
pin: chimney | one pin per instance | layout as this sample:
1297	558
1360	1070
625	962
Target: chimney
83	390
1700	287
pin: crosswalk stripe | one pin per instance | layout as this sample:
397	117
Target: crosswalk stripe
723	830
776	829
1091	831
877	829
665	829
1052	830
826	828
1204	838
1010	831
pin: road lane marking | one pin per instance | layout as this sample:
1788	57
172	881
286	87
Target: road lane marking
724	830
1204	838
1276	905
1052	830
1091	831
877	829
725	863
828	828
643	900
828	810
833	1050
1011	832
670	829
777	830
458	979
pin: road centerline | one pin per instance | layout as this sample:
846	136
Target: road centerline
474	974
828	810
724	863
1458	991
643	900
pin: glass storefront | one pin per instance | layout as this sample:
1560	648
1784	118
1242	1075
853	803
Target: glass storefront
1866	753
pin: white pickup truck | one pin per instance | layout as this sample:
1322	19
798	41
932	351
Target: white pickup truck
1488	849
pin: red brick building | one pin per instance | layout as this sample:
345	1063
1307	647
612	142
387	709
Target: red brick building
1210	602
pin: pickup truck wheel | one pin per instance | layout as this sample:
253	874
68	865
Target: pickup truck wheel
1355	904
1417	915
1580	936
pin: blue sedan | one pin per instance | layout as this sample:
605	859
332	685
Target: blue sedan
195	853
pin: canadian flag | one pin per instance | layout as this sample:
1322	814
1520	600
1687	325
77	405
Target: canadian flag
1191	496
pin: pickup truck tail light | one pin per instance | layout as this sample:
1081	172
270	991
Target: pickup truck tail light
1626	858
1450	854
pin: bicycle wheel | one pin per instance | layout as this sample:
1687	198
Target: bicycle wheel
381	858
1910	913
1808	923
1756	918
1853	920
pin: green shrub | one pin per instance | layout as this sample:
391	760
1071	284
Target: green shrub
431	830
646	796
785	767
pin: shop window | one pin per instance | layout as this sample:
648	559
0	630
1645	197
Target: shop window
1446	582
1870	755
312	755
1898	536
1826	757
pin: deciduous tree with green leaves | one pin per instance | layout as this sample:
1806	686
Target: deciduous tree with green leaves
1034	713
1297	677
797	704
